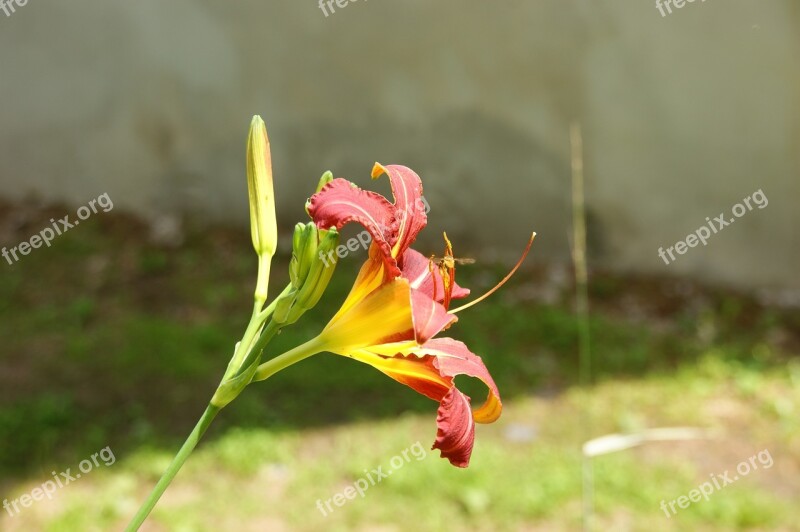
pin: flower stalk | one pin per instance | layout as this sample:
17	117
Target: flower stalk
309	280
397	306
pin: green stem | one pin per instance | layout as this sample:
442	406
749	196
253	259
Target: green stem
262	282
174	467
253	342
264	371
253	329
270	330
273	366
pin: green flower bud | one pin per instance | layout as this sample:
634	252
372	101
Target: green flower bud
301	298
310	271
326	178
283	306
321	271
304	250
263	226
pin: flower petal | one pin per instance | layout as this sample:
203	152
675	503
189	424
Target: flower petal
430	317
416	268
341	202
450	358
455	434
430	370
382	316
455	426
370	277
409	208
419	374
453	358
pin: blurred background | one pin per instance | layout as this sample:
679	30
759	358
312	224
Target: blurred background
116	334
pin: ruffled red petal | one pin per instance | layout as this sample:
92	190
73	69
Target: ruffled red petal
454	358
393	226
455	435
430	370
340	202
409	207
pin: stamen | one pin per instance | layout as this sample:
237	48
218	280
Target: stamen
433	277
501	283
448	247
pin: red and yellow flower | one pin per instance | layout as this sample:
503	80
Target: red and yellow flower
400	302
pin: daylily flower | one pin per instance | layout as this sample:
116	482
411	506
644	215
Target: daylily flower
399	302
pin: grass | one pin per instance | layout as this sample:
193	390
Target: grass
110	341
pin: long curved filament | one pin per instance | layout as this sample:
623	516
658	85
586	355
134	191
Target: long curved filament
501	283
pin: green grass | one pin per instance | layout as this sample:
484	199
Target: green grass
246	476
109	341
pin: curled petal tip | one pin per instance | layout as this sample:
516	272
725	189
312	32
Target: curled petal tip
377	170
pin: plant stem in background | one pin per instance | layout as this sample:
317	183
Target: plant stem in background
582	310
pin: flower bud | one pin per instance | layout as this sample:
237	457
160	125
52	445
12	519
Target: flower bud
321	270
304	250
283	306
263	226
326	178
310	271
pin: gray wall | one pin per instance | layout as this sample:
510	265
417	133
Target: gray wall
683	115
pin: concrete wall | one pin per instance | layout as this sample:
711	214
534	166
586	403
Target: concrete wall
683	115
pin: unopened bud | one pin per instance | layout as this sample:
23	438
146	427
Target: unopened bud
263	226
326	178
283	306
304	251
321	271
